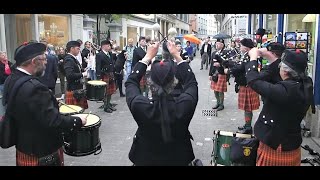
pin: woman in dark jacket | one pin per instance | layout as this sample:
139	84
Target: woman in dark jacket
286	103
5	69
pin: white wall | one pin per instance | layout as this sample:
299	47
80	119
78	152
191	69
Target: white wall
76	26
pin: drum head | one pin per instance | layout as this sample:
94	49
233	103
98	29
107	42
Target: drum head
91	119
97	83
70	109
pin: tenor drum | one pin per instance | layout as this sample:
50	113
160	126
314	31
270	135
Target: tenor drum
96	90
84	141
222	142
70	109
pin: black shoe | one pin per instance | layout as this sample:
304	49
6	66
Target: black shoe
108	110
221	107
215	107
112	108
122	95
241	127
246	130
201	68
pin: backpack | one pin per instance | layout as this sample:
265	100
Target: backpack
7	126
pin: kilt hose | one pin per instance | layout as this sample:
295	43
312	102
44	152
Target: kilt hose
71	100
23	159
248	99
267	156
111	84
221	84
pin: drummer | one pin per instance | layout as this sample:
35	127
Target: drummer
75	94
38	122
105	72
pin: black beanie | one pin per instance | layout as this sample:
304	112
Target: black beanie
296	60
162	72
247	43
28	51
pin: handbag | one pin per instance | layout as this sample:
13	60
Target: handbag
244	151
7	126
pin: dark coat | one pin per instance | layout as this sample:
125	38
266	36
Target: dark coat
283	110
3	76
61	64
104	64
51	72
37	119
84	55
138	54
148	146
72	68
208	50
217	57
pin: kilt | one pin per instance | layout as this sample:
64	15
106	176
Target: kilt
221	84
143	82
73	101
23	159
111	84
248	99
267	156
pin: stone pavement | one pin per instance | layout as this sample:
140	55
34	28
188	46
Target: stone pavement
118	128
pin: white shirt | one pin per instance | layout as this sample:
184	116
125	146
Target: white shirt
79	58
106	52
73	56
24	71
205	48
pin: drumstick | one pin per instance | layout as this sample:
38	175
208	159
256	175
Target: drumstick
88	114
68	106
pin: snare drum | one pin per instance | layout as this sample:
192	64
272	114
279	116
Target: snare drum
84	141
70	109
96	90
222	147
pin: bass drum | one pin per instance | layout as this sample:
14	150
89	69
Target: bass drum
84	141
96	90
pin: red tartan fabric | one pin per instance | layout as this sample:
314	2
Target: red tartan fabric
248	99
270	157
221	84
23	159
73	101
111	85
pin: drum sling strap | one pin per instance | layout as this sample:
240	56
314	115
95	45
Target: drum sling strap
7	126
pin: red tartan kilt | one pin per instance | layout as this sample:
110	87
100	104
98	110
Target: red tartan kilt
23	159
143	82
111	85
221	84
267	156
73	101
248	99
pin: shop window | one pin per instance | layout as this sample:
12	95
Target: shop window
23	28
271	23
54	28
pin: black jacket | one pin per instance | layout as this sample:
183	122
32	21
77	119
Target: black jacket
283	110
148	147
84	55
61	64
217	57
138	54
72	68
51	72
3	76
208	50
37	119
104	64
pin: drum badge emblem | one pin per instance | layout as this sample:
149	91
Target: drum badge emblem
246	151
225	145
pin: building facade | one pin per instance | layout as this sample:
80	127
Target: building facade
58	29
182	23
202	24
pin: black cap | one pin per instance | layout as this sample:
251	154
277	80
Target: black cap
247	43
28	51
71	44
275	46
220	40
106	42
296	60
162	72
261	31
